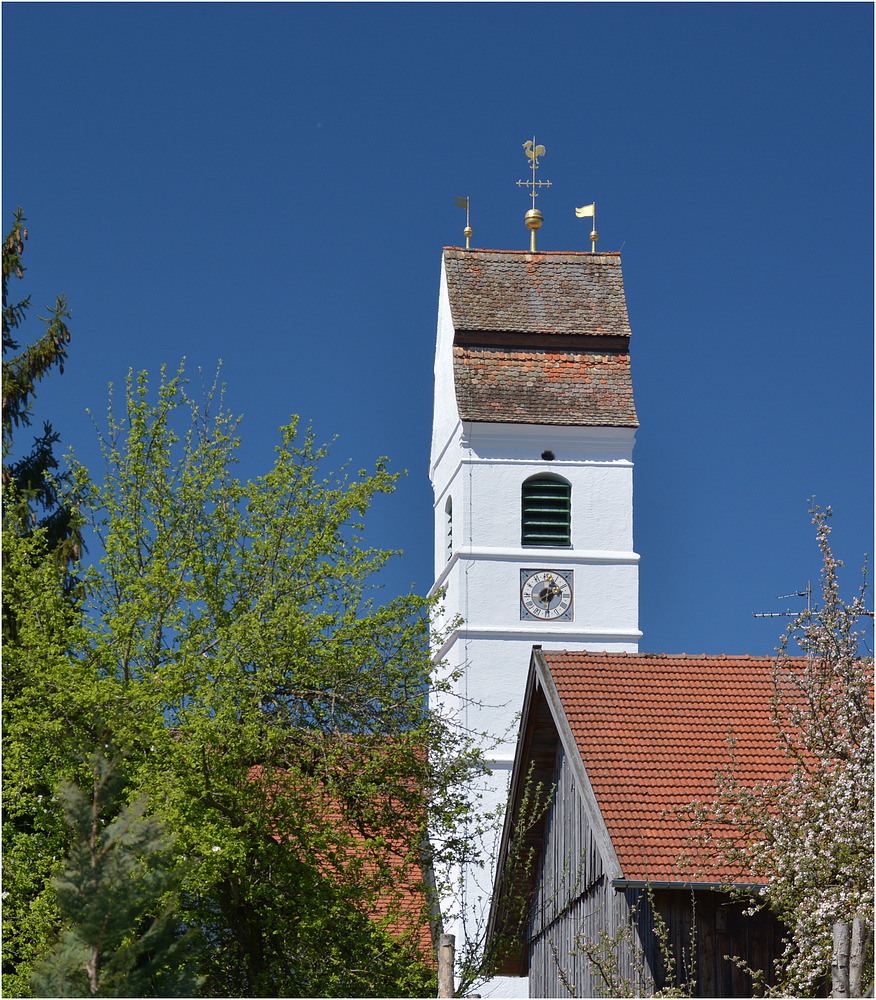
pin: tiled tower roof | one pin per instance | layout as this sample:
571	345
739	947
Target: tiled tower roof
540	338
559	293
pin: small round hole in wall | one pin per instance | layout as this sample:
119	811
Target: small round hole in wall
548	456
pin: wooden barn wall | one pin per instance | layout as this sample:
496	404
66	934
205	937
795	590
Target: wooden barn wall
575	901
722	929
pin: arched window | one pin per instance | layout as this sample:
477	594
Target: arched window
448	528
547	511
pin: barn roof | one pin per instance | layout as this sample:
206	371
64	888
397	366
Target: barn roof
540	338
641	734
653	731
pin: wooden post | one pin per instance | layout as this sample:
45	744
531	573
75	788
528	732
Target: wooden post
446	948
839	965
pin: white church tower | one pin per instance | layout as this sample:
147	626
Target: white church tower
531	463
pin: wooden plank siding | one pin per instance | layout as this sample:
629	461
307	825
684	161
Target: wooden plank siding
723	929
574	901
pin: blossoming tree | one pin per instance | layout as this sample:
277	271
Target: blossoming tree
809	837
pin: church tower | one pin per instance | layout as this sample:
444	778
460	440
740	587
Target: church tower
531	464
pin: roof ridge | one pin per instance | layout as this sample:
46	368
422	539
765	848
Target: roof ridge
539	253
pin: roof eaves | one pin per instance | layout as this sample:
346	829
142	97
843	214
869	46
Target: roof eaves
628	883
514	793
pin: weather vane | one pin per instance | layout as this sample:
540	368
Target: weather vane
467	232
533	217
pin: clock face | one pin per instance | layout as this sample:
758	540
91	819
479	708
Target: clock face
546	595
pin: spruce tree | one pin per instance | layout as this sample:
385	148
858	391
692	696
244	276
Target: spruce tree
116	901
33	491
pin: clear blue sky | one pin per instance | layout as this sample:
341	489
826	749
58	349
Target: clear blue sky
271	184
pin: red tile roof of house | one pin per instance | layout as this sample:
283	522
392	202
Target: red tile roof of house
540	338
401	904
653	730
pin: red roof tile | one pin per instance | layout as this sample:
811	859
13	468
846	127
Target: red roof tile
653	731
402	903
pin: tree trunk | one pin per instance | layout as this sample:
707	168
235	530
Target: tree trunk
839	966
446	947
858	955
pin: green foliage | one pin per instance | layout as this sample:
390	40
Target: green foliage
273	710
41	543
48	700
116	901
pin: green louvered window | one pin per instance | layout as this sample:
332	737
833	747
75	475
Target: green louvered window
547	512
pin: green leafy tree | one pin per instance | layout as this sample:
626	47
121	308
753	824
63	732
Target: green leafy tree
38	498
116	899
809	837
273	709
50	693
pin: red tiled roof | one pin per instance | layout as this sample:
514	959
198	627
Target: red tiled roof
582	388
402	907
555	293
653	731
540	338
402	904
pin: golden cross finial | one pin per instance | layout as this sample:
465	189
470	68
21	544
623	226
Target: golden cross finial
533	217
533	152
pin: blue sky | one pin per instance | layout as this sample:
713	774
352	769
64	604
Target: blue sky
271	184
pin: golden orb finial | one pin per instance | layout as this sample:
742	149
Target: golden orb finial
533	220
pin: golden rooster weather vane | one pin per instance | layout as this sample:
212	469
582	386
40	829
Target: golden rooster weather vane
533	217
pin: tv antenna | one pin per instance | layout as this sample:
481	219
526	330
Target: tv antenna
807	593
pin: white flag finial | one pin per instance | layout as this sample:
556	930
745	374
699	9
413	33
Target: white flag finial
589	211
